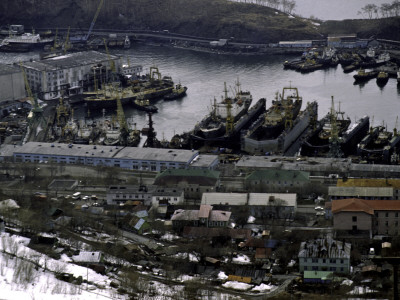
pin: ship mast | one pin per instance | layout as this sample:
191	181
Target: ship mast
334	139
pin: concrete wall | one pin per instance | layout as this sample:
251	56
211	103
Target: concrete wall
12	86
344	221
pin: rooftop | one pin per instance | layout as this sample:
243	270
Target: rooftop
100	151
283	199
155	154
354	191
325	248
369	182
69	60
367	206
224	198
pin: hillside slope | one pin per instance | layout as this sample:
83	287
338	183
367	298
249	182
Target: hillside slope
203	18
206	18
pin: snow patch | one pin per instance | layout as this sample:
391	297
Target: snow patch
237	285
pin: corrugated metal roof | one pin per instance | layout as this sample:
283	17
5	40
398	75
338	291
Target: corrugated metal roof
367	206
284	199
325	247
139	224
85	256
355	191
73	150
70	60
369	182
224	198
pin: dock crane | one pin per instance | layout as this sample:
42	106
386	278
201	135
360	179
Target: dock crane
114	76
36	118
67	44
84	38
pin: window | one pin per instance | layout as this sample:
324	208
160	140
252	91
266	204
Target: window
342	261
332	261
332	269
386	215
396	215
315	268
305	259
305	268
324	260
354	218
315	260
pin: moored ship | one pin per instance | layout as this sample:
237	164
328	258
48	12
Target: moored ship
178	92
319	142
23	43
213	125
379	145
281	114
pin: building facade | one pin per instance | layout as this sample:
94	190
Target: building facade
132	158
68	74
374	216
324	255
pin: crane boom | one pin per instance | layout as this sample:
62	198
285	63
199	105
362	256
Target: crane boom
94	20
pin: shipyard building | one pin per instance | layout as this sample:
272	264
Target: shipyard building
132	158
12	85
69	74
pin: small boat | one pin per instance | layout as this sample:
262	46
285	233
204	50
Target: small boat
382	78
363	75
144	104
178	92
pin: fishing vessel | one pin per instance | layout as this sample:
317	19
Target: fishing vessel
152	88
281	114
379	145
213	125
330	129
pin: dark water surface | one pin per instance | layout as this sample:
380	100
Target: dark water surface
204	74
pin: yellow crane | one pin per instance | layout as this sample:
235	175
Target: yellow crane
67	44
35	119
55	45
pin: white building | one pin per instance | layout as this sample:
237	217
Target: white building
167	196
324	255
120	194
68	73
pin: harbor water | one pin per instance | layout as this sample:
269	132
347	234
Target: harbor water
205	73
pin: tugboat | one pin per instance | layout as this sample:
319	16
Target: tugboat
144	104
178	92
362	75
382	78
